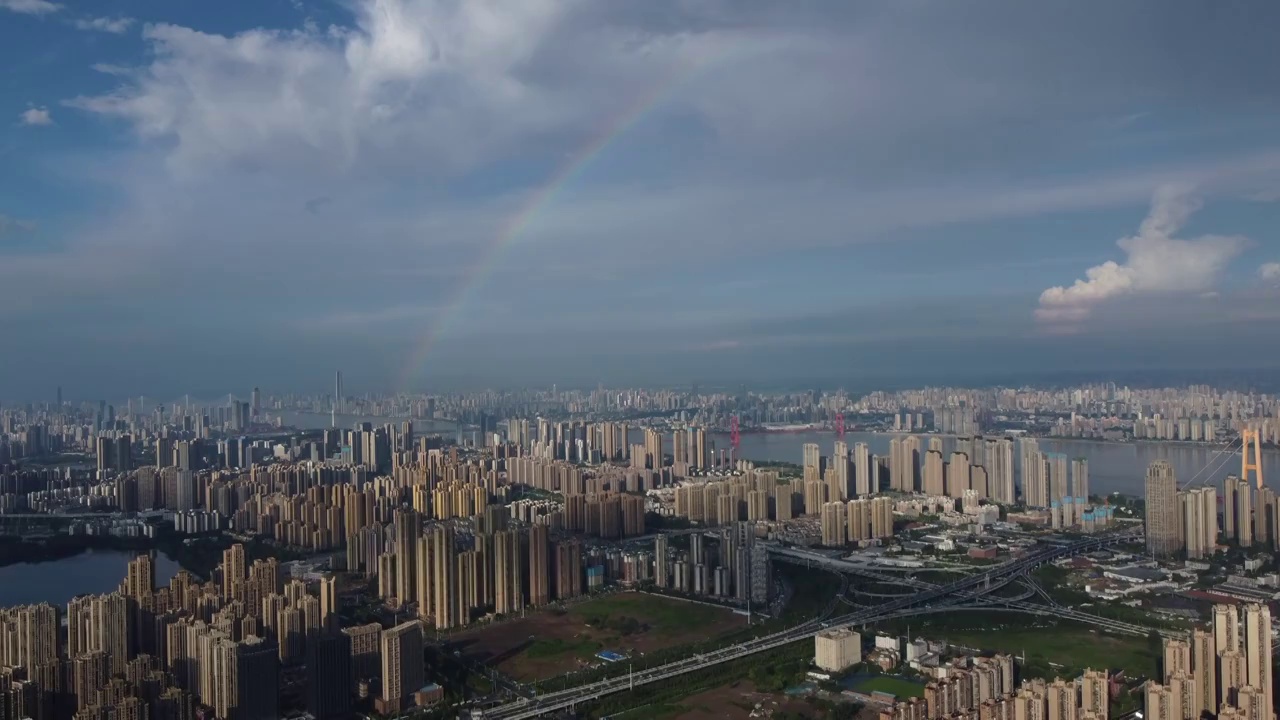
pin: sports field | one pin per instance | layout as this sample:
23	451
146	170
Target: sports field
897	687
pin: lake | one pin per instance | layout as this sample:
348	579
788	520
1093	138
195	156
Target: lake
57	581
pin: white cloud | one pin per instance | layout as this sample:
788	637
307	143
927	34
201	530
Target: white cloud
412	84
30	7
728	139
105	24
109	69
1270	271
36	116
1155	262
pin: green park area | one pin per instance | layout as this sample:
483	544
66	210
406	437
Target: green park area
635	625
1063	648
629	614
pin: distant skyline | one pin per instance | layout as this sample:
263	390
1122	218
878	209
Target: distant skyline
428	195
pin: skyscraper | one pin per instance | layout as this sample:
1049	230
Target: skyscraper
864	478
338	404
539	566
408	525
1257	650
839	483
812	458
1080	479
257	680
402	665
445	601
1199	518
999	459
1162	519
329	674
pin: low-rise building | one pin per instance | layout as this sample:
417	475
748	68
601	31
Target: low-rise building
837	649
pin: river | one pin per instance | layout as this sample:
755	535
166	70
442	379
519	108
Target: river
57	581
1113	466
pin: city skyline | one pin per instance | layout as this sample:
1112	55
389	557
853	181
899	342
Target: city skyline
433	195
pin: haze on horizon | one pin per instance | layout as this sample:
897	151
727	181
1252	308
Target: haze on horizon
198	197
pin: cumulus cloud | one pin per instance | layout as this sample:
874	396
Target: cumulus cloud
725	132
1270	271
115	26
36	116
1155	262
30	7
448	85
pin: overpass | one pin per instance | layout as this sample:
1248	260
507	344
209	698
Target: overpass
1020	604
930	599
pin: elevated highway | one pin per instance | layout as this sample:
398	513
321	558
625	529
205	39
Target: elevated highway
928	599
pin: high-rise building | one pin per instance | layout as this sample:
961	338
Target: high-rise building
1162	519
934	474
1080	479
999	459
1204	666
365	649
140	581
1241	641
508	572
839	484
330	674
539	566
1257	651
864	471
28	635
233	572
568	569
904	463
1199	521
700	450
833	524
1237	511
1035	488
101	623
959	476
660	574
257	680
403	671
812	458
408	528
653	448
444	604
329	602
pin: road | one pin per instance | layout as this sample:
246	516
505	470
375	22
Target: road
975	586
1021	604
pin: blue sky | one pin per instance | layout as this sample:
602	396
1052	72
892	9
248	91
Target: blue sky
200	196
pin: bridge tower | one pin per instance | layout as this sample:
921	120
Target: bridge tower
840	425
1251	438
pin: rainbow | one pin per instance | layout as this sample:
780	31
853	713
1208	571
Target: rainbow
615	127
